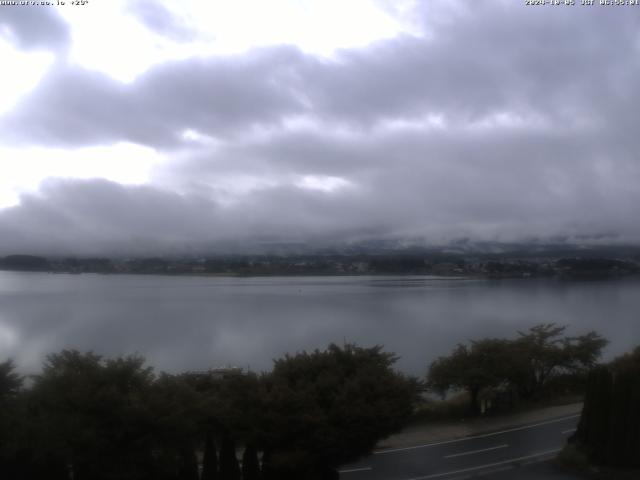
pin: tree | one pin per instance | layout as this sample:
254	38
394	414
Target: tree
329	407
188	465
594	422
542	352
483	364
229	405
525	364
609	427
10	381
175	409
629	362
250	464
25	263
92	414
209	459
88	417
229	468
11	427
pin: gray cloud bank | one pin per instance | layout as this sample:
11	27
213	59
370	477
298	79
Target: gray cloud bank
34	28
157	18
500	123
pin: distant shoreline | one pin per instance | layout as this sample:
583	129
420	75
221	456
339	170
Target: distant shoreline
572	264
591	277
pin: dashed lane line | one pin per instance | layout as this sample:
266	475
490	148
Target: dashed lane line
488	465
354	470
471	452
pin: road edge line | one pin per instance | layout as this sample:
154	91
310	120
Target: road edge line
488	465
483	435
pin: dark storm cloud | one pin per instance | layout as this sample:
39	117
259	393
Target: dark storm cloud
34	28
501	123
449	195
100	216
93	216
517	184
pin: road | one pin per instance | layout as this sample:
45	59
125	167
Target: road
481	454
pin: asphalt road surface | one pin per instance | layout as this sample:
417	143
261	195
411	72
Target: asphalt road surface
490	454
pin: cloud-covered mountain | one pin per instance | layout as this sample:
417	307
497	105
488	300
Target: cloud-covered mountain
492	122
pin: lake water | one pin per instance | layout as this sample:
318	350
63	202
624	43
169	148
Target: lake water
182	323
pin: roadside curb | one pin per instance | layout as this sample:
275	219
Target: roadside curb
416	436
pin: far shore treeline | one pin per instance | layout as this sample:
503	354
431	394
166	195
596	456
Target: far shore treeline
525	262
89	417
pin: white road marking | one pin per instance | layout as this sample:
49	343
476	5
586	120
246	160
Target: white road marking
488	465
476	451
571	430
485	435
353	470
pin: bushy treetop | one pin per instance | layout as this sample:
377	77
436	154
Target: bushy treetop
525	363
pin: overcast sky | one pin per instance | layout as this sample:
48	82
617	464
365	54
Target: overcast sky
151	126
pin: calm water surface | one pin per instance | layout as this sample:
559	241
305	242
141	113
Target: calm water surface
182	323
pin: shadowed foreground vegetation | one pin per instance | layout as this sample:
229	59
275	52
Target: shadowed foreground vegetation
608	434
497	373
89	417
94	418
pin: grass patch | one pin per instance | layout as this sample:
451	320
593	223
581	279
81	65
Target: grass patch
454	408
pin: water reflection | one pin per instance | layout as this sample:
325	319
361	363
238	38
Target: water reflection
8	337
193	322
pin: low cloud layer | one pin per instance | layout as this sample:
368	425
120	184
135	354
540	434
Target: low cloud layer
37	28
498	122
